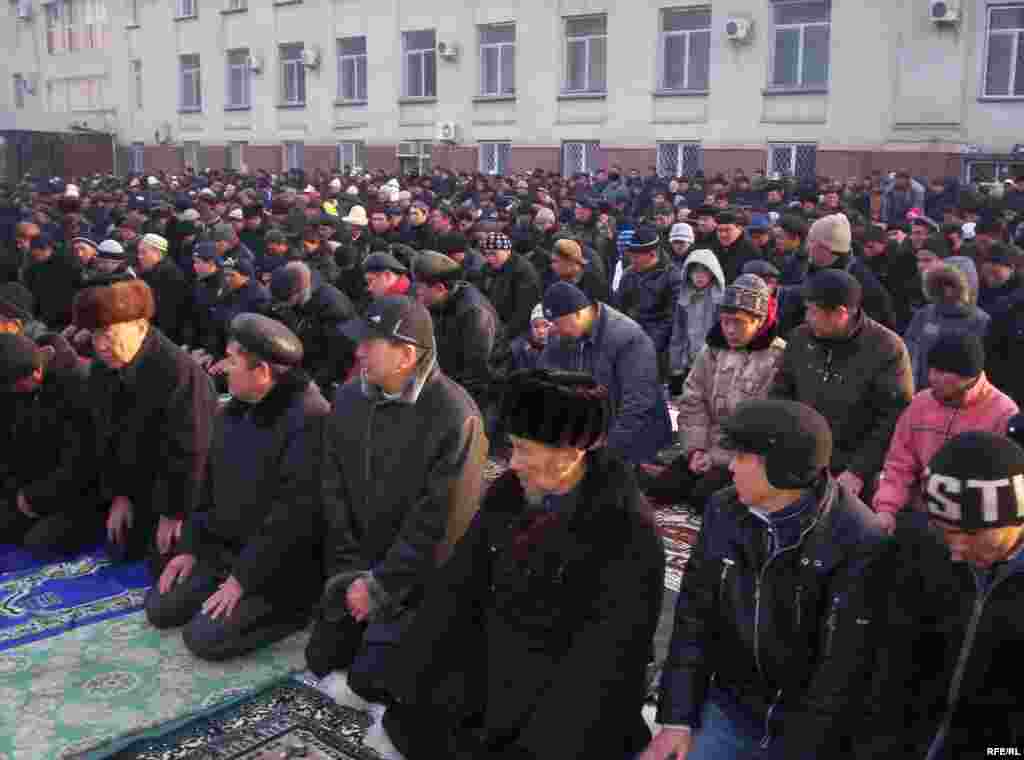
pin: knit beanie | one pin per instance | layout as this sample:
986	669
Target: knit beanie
832	288
564	298
976	481
834	230
959	353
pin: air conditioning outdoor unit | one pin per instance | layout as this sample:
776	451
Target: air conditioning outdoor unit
738	29
448	50
943	12
255	64
447	131
310	58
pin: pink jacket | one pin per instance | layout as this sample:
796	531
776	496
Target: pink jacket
924	427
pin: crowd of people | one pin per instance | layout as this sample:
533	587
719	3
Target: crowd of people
282	391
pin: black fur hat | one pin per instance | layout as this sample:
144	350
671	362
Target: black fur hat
556	408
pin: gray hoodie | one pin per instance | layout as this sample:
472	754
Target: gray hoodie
695	312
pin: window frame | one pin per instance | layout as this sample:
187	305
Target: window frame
359	65
422	53
292	64
585	152
136	157
19	82
588	39
793	148
236	6
502	157
686	34
193	71
502	49
1016	34
296	146
239	146
799	85
230	68
358	154
186	9
136	68
679	169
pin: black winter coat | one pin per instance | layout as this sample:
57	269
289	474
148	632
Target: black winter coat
790	630
860	384
259	513
1004	345
735	256
53	283
548	639
514	291
467	332
153	421
172	294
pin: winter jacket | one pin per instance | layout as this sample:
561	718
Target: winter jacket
171	294
775	625
402	480
153	423
1004	345
351	277
877	302
255	242
467	332
514	291
252	297
860	384
896	204
322	262
896	271
597	246
620	356
925	427
945	680
950	312
649	298
735	256
721	379
524	354
992	299
260	508
48	452
53	283
565	619
696	312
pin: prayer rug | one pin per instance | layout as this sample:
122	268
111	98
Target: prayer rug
68	695
40	600
287	719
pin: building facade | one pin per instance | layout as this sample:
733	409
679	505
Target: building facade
836	87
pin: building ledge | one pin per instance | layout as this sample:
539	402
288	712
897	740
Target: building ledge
187	18
237	108
343	102
413	99
494	99
681	93
232	11
1001	98
290	106
287	2
190	110
582	96
783	91
133	26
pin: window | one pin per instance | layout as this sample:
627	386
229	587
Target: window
685	49
191	92
580	157
586	54
135	153
351	155
236	155
190	153
54	27
71	41
798	161
498	60
420	70
1005	52
238	5
186	8
292	156
133	12
137	76
293	76
494	157
94	24
679	159
239	81
85	94
19	91
801	50
415	156
989	170
352	69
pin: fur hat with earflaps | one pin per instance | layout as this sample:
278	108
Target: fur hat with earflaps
556	408
96	308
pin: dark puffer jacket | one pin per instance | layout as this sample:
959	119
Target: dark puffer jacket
649	299
468	334
1004	345
513	290
781	640
860	384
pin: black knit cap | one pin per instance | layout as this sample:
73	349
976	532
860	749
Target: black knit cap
832	288
18	358
958	353
556	408
976	481
794	439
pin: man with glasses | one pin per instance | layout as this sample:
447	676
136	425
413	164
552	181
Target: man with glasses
852	370
152	407
403	466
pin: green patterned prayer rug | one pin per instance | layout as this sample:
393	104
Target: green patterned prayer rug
70	694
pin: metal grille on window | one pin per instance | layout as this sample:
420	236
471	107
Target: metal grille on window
806	161
692	159
573	157
782	159
494	157
668	154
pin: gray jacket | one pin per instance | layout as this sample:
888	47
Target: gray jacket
695	312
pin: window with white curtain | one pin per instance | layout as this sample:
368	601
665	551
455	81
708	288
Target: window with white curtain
498	60
1004	58
239	80
420	70
352	69
586	54
351	155
293	75
190	97
685	49
802	38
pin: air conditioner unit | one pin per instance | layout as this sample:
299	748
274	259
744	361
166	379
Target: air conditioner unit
448	50
310	58
24	9
738	29
447	131
943	12
255	64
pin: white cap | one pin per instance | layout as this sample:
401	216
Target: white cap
235	213
111	246
681	231
352	190
537	313
152	181
335	184
71	191
134	182
309	189
968	229
189	215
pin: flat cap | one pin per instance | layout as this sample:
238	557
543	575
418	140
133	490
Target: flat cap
266	338
383	262
431	266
